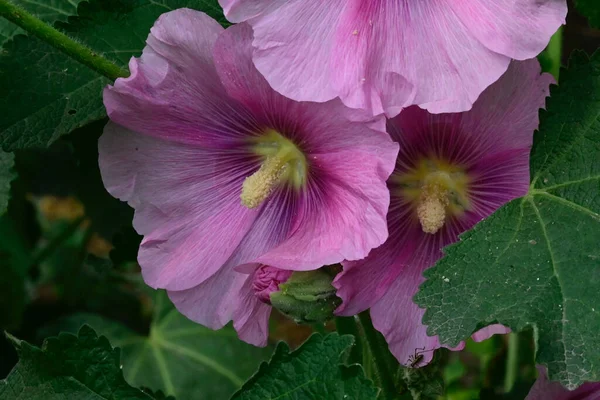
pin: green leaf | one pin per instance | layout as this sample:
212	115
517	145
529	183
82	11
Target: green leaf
536	261
179	357
82	367
7	174
591	9
12	293
14	262
313	371
45	94
49	11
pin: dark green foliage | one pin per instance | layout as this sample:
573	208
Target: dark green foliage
311	372
178	357
591	9
82	367
535	262
47	95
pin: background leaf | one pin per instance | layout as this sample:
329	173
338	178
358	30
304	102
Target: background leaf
83	367
14	263
591	9
47	95
178	357
311	372
537	261
7	174
49	11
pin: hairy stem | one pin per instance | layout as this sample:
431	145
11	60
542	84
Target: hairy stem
60	41
380	358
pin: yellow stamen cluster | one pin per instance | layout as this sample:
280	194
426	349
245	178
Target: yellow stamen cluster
283	162
431	210
437	190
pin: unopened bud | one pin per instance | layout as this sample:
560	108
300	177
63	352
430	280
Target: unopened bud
308	296
267	280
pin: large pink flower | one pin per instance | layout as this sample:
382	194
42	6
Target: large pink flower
225	174
453	170
383	55
543	389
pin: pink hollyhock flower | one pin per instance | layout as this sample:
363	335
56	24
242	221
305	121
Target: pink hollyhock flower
543	389
384	55
453	170
225	174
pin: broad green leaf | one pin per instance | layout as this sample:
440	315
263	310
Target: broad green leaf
179	357
83	367
45	94
536	261
7	174
49	11
591	9
313	371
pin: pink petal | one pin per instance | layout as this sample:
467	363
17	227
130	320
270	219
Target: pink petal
241	10
543	389
294	46
516	28
385	55
507	112
321	124
344	214
186	200
225	296
174	91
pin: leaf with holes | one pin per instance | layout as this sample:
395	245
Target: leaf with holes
49	11
82	367
536	261
46	95
178	357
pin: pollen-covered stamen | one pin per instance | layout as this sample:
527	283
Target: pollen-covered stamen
432	208
437	189
258	186
283	163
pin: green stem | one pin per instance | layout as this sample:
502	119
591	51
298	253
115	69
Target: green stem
512	362
380	357
347	326
55	242
554	52
61	41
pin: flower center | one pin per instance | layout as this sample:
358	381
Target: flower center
437	190
282	162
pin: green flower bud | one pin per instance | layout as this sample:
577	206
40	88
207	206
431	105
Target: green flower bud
308	296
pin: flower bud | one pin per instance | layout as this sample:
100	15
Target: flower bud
267	280
308	296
